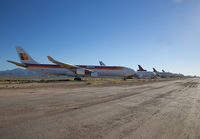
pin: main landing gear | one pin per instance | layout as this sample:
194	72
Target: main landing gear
77	79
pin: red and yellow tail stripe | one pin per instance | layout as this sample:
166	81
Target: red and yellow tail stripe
23	56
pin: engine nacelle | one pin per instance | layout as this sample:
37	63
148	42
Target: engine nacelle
94	74
80	71
83	72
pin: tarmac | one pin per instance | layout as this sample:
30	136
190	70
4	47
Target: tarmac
158	110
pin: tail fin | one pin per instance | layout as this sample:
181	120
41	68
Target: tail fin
101	63
154	70
163	71
24	57
140	68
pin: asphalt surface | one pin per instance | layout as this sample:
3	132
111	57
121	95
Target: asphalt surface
161	110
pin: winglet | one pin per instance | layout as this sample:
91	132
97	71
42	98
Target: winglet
51	59
56	62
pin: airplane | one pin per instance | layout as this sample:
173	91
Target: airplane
169	74
162	74
141	73
76	71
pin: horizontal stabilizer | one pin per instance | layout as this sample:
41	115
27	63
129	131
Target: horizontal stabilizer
18	64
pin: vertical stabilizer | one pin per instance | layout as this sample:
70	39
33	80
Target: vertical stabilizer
24	57
101	63
163	71
154	70
140	68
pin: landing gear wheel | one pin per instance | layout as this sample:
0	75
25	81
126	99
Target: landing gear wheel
77	79
125	79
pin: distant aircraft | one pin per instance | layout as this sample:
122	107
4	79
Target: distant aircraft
162	74
169	74
76	71
141	73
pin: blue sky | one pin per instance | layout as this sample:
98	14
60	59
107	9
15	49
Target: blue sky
164	34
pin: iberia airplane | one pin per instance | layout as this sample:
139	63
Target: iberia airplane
141	73
164	74
76	71
161	74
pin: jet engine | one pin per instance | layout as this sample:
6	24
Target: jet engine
83	72
80	71
94	74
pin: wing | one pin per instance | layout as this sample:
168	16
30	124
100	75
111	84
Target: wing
63	65
71	67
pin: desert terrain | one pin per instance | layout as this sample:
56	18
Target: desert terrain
100	109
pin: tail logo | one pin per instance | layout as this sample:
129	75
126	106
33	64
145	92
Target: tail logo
23	56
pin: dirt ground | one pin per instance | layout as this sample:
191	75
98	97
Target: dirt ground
157	110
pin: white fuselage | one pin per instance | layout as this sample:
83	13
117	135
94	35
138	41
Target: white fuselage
164	74
103	71
145	74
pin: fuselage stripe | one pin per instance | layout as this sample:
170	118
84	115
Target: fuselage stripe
81	66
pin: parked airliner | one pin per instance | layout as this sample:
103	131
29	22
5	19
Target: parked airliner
141	73
162	74
76	71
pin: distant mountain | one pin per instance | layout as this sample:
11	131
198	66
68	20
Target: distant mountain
18	72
